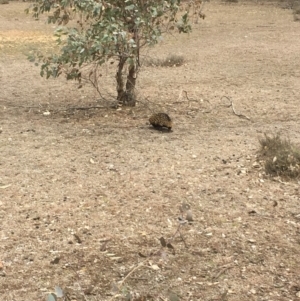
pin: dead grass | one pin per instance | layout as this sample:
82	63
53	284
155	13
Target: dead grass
172	60
282	158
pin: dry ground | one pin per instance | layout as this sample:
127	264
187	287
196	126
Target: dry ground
85	193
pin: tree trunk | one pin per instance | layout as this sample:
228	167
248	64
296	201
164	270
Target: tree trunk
126	97
130	86
119	78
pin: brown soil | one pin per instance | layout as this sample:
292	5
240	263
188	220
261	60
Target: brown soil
86	194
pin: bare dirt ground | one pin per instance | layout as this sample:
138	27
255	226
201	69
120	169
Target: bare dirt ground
86	194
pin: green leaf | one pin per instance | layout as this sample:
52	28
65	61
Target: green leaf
59	292
130	7
51	297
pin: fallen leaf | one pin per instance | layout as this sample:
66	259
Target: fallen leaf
163	242
155	267
189	216
55	260
4	186
77	238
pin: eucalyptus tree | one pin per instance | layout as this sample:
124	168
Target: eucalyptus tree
93	32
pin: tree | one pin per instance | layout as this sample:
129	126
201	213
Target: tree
91	32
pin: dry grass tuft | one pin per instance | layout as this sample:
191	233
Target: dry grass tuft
173	60
281	157
296	13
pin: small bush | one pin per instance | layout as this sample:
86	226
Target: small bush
296	12
281	157
4	1
170	61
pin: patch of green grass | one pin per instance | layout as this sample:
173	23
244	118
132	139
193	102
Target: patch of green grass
282	158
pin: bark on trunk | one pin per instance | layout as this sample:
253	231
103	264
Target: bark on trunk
130	86
119	78
126	94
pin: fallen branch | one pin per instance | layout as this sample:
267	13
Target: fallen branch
189	99
233	109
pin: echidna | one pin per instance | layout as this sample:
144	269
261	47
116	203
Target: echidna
161	120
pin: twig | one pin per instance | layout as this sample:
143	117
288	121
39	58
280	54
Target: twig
186	95
222	271
137	278
233	109
181	236
94	81
127	276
